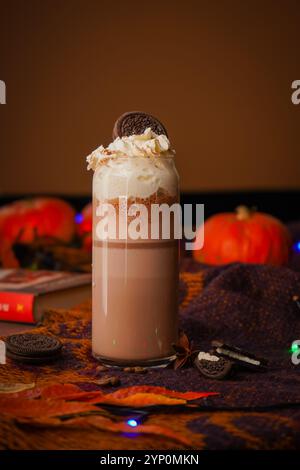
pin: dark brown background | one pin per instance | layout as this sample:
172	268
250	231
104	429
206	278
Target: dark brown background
218	74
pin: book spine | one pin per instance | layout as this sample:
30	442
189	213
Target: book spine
17	307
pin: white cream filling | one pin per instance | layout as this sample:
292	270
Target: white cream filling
207	357
235	355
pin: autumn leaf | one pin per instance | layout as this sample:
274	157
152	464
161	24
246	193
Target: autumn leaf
59	390
142	399
70	392
31	408
59	400
136	396
124	392
8	388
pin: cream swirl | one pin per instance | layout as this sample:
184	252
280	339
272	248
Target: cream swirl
147	144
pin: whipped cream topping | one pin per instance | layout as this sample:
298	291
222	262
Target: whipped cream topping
147	144
117	174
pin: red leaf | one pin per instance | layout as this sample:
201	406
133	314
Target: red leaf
142	399
64	399
25	393
136	396
73	392
70	392
124	392
28	408
59	390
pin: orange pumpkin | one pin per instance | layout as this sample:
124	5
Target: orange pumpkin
48	217
245	236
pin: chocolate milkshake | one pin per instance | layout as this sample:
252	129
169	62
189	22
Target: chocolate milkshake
135	273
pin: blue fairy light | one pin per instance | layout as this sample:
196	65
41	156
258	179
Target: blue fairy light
297	246
78	218
132	423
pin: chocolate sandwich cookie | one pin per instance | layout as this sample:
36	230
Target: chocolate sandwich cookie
135	123
33	349
212	366
238	356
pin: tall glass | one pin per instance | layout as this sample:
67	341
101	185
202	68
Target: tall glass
135	277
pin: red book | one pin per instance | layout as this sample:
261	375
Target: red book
25	294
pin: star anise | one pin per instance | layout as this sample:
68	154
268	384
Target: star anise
185	353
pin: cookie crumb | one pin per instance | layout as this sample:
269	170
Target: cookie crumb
136	370
109	381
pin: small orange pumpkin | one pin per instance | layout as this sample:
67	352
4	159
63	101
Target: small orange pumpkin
42	216
245	236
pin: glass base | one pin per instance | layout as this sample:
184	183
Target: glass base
147	363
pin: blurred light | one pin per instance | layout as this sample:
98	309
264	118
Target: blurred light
297	246
86	226
294	347
78	218
132	422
